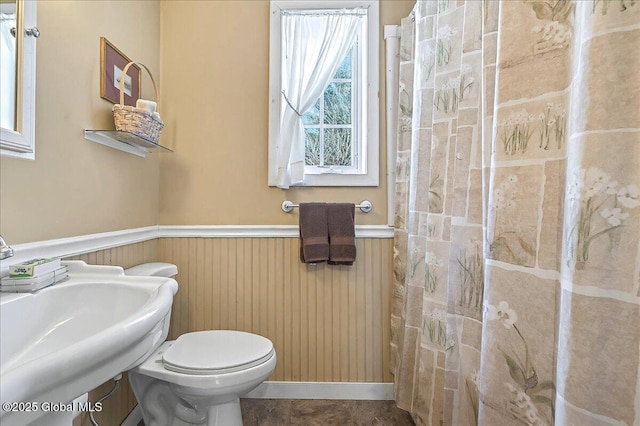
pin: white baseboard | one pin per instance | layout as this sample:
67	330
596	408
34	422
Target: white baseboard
323	390
304	390
134	417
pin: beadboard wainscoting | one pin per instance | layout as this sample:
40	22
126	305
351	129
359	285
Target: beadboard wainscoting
328	323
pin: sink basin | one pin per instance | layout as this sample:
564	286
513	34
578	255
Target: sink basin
67	339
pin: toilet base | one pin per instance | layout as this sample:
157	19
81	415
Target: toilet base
162	406
168	398
227	413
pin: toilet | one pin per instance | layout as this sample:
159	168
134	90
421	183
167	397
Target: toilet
198	379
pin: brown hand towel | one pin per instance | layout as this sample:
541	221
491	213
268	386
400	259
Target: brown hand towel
314	235
342	233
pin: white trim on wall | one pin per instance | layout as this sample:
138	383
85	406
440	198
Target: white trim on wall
323	390
392	35
72	246
134	418
228	231
259	231
304	390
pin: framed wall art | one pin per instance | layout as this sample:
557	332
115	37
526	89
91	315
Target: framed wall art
112	62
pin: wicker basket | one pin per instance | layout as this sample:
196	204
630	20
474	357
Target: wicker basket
137	121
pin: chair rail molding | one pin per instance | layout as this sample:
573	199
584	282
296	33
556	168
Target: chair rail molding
259	231
72	246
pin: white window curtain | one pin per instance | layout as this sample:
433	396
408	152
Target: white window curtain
8	75
313	46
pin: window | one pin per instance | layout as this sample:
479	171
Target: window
338	130
331	126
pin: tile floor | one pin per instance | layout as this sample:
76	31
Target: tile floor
282	412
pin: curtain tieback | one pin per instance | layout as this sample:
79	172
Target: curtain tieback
289	103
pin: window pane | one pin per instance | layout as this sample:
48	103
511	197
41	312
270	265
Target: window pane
345	68
312	147
337	147
313	115
337	103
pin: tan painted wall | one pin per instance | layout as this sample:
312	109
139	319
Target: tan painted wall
215	93
215	82
77	187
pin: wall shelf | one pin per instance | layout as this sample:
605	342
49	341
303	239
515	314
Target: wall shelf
123	141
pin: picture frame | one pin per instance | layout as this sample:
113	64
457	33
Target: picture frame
112	62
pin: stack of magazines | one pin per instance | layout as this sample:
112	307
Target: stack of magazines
33	275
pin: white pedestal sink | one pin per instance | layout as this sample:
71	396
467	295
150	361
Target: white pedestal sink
67	339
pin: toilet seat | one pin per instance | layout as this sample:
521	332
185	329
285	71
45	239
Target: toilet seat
216	352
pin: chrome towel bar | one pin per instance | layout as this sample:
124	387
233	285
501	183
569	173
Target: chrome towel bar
365	206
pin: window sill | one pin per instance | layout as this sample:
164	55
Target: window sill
339	179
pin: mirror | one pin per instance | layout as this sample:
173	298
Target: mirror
8	65
18	33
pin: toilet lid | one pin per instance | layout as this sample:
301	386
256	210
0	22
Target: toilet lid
216	351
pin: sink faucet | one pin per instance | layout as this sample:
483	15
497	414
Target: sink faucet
5	250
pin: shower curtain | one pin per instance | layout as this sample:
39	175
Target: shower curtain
516	295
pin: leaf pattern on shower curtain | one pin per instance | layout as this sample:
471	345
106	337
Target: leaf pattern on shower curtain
517	243
437	308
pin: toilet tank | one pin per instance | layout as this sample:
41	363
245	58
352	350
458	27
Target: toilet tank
153	269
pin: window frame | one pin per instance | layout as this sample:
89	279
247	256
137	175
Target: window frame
20	142
368	153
